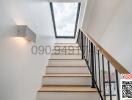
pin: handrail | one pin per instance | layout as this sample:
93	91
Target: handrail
112	60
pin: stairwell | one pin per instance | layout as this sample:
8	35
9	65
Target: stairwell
67	76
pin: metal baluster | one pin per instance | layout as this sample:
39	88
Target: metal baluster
78	36
117	85
80	41
95	64
109	74
103	77
89	58
99	70
87	52
82	44
92	64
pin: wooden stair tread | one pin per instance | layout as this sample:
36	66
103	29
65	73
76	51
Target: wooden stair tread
67	54
68	75
67	62
67	89
66	66
68	59
66	44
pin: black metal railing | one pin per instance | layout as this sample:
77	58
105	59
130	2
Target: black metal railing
104	74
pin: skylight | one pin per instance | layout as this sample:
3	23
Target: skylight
65	18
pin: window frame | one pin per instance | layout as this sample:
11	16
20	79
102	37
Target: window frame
76	22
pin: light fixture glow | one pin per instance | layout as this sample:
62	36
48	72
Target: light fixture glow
24	31
22	40
19	41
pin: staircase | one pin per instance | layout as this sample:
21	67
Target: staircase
67	76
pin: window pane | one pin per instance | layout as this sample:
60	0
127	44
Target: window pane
65	18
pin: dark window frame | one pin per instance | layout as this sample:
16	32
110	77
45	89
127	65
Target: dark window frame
76	23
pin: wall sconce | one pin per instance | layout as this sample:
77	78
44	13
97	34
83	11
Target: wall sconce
24	31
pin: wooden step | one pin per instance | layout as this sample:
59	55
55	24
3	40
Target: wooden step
70	51
67	93
66	56
67	89
67	75
67	69
66	62
66	44
66	48
67	79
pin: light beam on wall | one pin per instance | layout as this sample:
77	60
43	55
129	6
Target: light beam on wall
26	32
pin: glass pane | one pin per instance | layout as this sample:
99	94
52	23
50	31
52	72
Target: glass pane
65	18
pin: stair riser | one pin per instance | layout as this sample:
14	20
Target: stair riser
67	96
67	63
66	44
67	70
66	81
65	57
67	47
68	51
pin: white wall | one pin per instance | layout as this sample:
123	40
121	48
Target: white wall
97	15
117	39
33	13
109	22
20	71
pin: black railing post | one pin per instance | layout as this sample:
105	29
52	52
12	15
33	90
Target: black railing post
99	79
92	64
117	85
109	76
95	72
78	36
87	50
82	44
89	54
103	77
